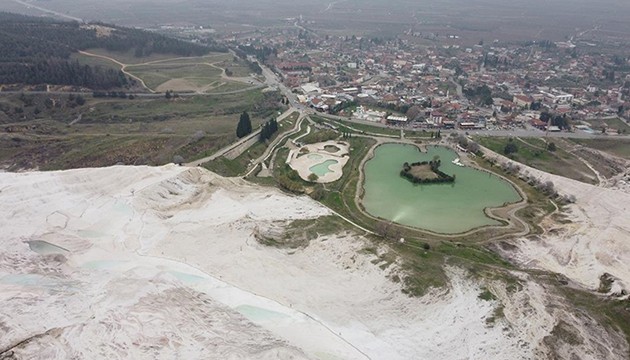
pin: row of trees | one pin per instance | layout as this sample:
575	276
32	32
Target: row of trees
463	141
244	127
261	53
561	121
60	72
268	129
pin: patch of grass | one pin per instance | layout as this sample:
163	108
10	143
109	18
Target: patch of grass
357	127
611	313
617	147
319	136
203	106
472	253
94	61
498	313
85	151
612	123
156	74
486	295
237	66
237	167
532	152
225	167
140	131
299	233
227	86
563	333
423	270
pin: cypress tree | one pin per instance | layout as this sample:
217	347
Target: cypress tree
244	126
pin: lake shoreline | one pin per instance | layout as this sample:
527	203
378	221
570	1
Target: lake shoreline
489	212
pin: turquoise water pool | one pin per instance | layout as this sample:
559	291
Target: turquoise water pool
322	168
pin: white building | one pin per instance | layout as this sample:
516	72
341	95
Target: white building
368	115
554	96
397	119
310	89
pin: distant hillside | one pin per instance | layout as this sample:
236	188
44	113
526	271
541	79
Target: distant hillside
37	50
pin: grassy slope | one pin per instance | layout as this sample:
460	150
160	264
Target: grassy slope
531	152
139	131
157	69
617	147
239	166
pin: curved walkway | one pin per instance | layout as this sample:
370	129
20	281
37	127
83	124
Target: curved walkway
122	68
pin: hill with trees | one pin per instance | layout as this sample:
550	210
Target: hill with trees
37	50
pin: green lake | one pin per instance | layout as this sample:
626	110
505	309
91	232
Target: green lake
442	208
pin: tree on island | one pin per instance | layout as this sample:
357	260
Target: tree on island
244	126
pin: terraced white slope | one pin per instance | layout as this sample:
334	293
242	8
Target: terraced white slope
162	263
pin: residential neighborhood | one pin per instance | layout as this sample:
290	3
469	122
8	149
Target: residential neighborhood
531	85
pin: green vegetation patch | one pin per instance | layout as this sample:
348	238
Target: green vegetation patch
534	153
486	295
156	74
617	147
607	124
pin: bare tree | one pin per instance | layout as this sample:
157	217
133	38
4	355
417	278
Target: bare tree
382	228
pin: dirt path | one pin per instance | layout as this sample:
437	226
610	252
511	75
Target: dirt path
204	90
272	147
122	68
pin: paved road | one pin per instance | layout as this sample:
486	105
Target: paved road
498	133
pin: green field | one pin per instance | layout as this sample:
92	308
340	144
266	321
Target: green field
162	72
617	147
179	75
95	61
613	123
532	152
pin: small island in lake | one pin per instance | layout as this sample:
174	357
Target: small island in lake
426	172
